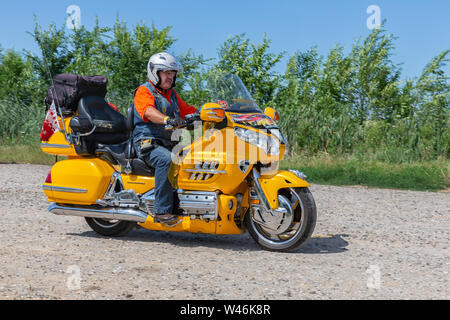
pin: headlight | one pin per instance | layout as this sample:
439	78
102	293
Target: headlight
268	144
279	135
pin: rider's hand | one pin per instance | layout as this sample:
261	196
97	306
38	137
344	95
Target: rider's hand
174	122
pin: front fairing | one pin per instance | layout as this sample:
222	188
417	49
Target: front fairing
258	139
223	155
229	91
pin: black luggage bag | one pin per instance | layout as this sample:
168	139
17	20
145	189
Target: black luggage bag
67	90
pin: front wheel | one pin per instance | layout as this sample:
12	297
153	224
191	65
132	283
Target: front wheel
284	230
110	228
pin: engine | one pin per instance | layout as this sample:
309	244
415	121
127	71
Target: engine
196	204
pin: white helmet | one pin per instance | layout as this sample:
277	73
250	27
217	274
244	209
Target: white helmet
162	61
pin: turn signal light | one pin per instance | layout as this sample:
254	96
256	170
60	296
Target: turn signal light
219	112
49	178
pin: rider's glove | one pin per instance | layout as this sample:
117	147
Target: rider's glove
174	122
190	120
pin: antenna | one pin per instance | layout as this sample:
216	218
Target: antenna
52	92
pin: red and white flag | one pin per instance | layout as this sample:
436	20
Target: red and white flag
51	124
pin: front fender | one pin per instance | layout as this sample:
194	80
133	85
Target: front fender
283	179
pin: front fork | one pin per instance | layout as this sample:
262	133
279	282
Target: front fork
262	212
260	192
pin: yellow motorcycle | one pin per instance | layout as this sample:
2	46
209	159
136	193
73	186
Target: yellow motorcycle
227	176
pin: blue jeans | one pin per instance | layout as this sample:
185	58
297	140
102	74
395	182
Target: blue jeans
165	196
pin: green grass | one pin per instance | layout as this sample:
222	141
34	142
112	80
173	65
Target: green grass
425	176
26	153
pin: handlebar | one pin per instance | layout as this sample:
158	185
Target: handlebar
192	117
170	127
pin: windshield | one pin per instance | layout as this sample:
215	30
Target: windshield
229	91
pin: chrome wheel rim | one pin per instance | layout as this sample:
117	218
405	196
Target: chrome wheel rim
105	223
293	231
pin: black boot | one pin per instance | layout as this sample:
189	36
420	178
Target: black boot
168	219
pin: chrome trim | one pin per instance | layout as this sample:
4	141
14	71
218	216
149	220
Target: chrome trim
199	204
101	213
63	189
244	165
299	174
264	208
296	227
212	171
277	221
115	178
66	135
122	198
54	145
262	197
148	202
204	170
87	133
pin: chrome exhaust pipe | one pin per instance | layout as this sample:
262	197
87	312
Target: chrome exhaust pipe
102	213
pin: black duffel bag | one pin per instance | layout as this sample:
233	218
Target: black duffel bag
67	89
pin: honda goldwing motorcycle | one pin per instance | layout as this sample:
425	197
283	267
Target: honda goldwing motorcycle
227	179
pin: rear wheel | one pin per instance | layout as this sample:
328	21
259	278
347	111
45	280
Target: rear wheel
110	228
285	230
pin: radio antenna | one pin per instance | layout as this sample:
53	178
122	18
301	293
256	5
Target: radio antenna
52	90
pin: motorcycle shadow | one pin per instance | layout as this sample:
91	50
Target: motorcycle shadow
242	242
333	243
239	242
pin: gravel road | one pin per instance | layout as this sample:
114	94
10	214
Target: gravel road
368	244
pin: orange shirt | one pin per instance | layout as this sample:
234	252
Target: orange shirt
144	99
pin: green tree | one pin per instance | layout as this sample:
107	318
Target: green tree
91	51
56	54
432	104
253	63
374	92
130	52
13	73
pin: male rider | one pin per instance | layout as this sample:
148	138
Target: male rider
156	105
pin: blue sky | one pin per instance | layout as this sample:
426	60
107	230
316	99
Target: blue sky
423	27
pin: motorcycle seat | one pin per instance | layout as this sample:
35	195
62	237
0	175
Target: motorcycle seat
107	133
117	153
123	153
97	121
